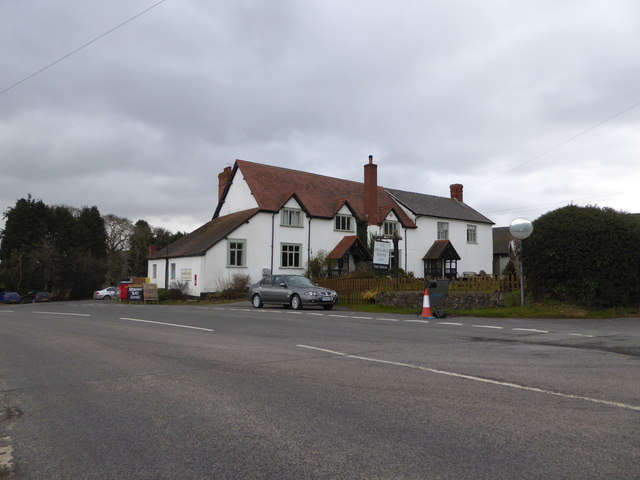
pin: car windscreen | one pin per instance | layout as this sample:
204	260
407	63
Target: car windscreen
300	282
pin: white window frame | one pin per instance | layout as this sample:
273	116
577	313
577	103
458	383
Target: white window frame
235	246
389	226
291	255
343	223
443	230
291	217
154	271
472	233
173	272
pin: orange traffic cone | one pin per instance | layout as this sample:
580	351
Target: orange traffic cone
426	306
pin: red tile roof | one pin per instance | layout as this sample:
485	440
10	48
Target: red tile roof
320	196
345	245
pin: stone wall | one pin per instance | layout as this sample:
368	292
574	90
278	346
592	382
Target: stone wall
454	301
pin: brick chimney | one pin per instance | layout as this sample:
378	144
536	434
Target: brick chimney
456	192
224	178
152	249
371	191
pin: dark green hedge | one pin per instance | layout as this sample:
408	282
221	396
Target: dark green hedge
584	255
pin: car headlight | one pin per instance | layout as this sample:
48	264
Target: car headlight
312	294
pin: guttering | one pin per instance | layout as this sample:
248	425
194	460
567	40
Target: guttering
405	251
273	233
309	243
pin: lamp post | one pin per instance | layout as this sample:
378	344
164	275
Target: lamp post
521	228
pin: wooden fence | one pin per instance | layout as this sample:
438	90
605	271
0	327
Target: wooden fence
353	290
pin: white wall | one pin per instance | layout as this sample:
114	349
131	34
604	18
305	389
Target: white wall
238	197
473	256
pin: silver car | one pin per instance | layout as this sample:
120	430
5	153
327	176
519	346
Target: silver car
105	294
293	291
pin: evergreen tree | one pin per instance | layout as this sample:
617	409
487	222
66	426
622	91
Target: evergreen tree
26	226
140	241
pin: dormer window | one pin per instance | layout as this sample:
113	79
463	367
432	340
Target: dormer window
290	217
344	223
388	227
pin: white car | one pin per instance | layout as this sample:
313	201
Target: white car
105	294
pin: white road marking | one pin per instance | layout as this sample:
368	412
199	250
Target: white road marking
388	319
363	318
488	326
450	323
63	313
530	330
581	335
339	316
6	457
417	321
477	379
316	314
167	324
7	311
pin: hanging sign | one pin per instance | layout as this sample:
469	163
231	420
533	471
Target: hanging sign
381	255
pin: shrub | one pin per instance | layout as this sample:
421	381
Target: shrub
584	255
236	287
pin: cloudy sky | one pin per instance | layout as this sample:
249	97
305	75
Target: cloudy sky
138	105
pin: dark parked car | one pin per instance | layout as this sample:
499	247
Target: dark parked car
8	296
293	291
36	297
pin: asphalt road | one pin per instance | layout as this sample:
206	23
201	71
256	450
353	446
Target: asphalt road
102	390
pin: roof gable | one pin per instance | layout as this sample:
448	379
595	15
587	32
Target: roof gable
348	243
441	249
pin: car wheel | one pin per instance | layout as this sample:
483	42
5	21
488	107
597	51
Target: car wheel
327	307
296	303
106	297
256	301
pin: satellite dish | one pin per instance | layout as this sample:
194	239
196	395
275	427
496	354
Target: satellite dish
521	228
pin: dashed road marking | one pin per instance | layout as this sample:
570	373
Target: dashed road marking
64	313
6	457
401	320
477	379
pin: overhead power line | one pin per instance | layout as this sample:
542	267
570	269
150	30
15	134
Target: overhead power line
561	144
38	72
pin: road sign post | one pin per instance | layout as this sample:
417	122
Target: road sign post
521	228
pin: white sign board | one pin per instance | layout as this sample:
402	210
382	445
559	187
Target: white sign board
381	253
185	274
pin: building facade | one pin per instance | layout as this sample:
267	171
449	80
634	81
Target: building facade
274	219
